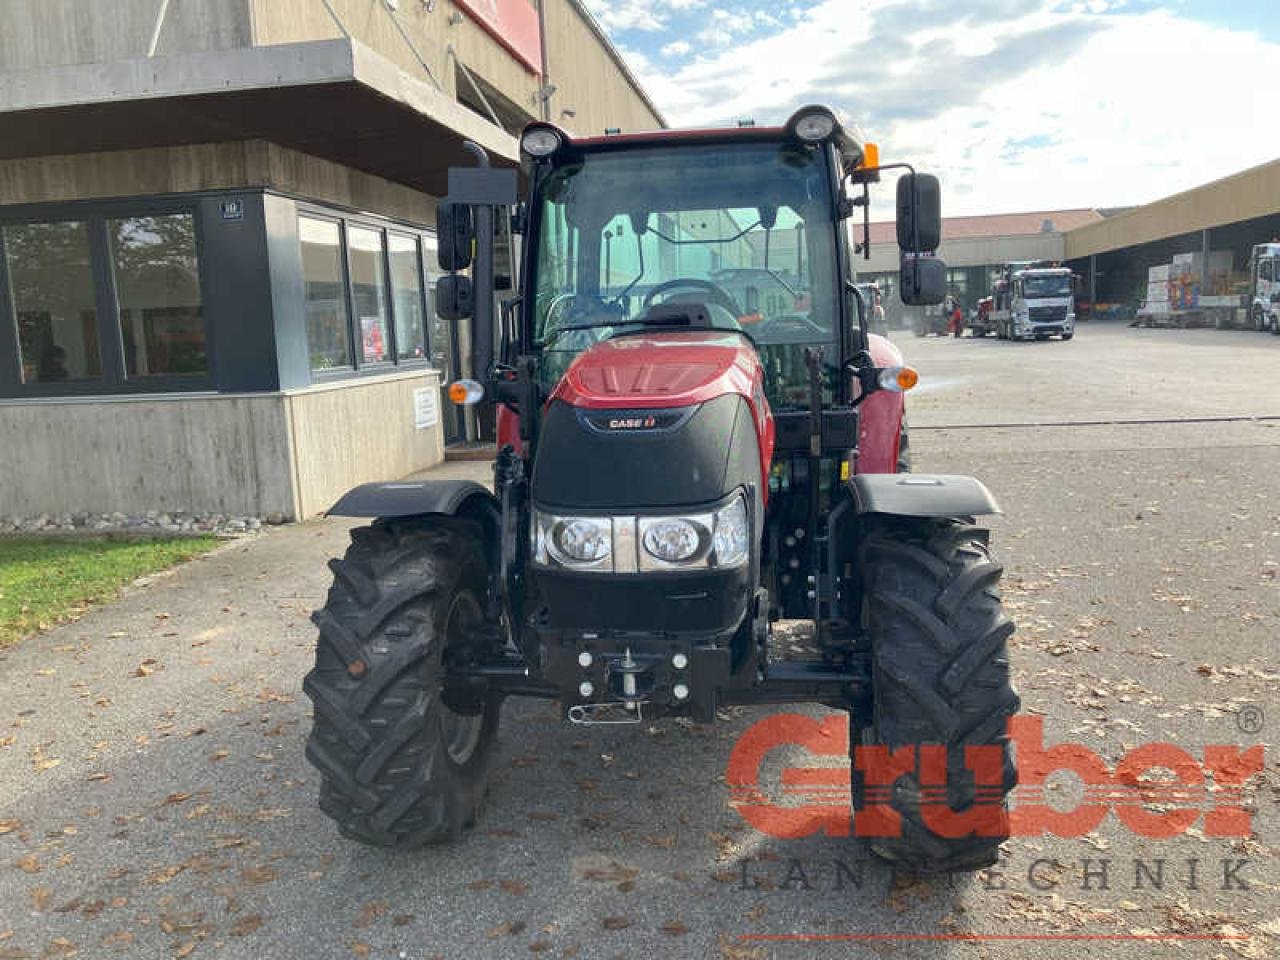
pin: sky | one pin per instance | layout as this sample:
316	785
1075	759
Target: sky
1015	104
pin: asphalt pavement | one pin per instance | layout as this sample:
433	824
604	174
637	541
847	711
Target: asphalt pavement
154	799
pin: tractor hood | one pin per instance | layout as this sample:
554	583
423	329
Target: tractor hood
660	370
667	419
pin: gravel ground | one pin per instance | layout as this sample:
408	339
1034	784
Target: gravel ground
154	801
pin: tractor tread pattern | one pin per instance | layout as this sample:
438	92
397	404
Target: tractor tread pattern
386	778
939	635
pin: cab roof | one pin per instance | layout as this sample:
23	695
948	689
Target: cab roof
846	138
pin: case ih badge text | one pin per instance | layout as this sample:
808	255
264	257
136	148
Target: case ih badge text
633	423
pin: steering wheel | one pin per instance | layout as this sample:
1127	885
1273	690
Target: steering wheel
718	295
794	323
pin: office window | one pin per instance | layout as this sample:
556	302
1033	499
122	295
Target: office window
406	295
369	287
157	276
325	294
53	298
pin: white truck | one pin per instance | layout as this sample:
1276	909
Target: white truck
1264	287
1032	301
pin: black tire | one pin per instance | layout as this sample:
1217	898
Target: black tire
1067	336
938	633
1259	319
400	768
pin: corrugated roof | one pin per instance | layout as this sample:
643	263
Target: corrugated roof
998	224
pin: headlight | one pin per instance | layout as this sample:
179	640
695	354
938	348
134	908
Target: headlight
815	126
672	540
720	539
574	542
540	142
732	539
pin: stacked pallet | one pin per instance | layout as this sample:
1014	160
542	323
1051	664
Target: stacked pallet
1156	304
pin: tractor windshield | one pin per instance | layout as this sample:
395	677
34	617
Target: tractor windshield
744	231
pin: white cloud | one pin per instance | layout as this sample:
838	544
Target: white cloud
649	15
677	48
1017	104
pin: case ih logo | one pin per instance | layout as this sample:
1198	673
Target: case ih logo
1157	790
633	423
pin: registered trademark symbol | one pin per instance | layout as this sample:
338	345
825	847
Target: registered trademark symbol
1250	718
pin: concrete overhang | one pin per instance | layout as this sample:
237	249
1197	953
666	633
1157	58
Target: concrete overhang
1247	195
335	99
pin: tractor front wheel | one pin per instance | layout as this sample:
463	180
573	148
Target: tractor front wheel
938	633
399	767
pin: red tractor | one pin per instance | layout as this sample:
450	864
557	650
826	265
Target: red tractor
677	472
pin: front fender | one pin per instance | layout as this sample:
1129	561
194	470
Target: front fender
922	495
407	498
880	416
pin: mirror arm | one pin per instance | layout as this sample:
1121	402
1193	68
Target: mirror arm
866	221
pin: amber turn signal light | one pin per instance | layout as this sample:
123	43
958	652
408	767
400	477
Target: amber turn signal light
465	393
898	379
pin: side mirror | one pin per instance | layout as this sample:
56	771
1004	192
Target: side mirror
455	234
922	280
455	297
919	213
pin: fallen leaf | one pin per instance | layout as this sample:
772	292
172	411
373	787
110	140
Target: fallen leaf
9	741
514	887
615	923
271	813
540	946
402	919
99	777
60	947
40	898
8	826
258	875
121	938
371	913
28	864
674	929
360	949
176	798
185	950
145	669
221	754
246	925
508	929
735	951
161	875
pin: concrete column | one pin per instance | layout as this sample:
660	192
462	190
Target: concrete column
1093	286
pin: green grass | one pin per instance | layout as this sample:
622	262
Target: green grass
48	581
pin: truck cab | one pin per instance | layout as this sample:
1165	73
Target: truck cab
1264	287
1035	303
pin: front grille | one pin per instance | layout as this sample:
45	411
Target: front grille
1047	314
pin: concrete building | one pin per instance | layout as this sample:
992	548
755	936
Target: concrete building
216	245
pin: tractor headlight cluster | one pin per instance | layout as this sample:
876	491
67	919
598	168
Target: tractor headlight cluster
718	539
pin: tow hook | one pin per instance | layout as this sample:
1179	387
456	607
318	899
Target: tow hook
629	668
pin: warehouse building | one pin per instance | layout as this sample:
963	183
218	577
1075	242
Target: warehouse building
216	246
1215	226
